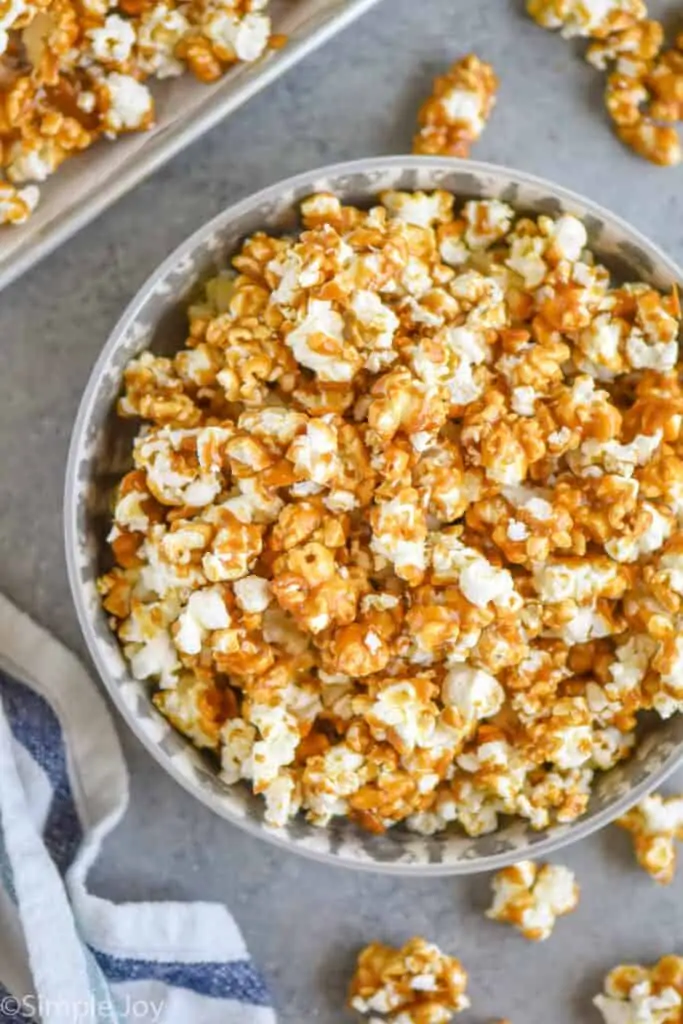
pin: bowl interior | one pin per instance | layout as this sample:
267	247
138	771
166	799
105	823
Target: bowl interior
101	453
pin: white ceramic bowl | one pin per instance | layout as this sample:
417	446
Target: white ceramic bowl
100	453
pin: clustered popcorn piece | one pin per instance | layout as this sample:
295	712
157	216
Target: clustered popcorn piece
593	18
17	204
403	536
417	984
456	113
75	72
644	93
655	824
532	897
634	994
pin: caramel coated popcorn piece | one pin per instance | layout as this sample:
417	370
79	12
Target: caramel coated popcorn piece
655	824
660	144
456	113
665	82
643	995
17	204
596	18
629	47
531	897
402	540
644	94
417	984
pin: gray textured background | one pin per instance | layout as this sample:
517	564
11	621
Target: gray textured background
356	97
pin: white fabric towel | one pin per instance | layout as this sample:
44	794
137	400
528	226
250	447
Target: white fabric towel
66	955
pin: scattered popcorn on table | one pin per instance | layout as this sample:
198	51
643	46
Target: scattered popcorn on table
643	995
532	897
73	73
644	93
354	566
655	824
597	18
456	113
417	984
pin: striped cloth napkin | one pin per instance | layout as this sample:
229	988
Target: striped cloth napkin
66	955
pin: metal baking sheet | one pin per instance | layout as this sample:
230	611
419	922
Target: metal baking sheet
90	182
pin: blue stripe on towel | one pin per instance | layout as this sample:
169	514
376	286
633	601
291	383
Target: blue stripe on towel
103	999
6	874
35	725
236	980
11	1011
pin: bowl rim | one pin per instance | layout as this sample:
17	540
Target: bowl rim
574	831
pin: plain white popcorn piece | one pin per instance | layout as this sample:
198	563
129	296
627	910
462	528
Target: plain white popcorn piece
423	209
205	611
156	658
517	531
160	29
634	994
238	38
524	400
9	15
472	692
113	41
532	897
131	106
253	593
580	581
30	160
568	239
282	801
238	738
479	581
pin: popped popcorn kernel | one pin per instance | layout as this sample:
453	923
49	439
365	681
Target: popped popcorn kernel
456	113
531	897
655	824
596	18
634	993
17	204
417	984
658	143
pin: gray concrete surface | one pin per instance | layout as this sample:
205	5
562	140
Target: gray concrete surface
356	97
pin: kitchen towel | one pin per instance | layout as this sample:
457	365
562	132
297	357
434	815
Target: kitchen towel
65	954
